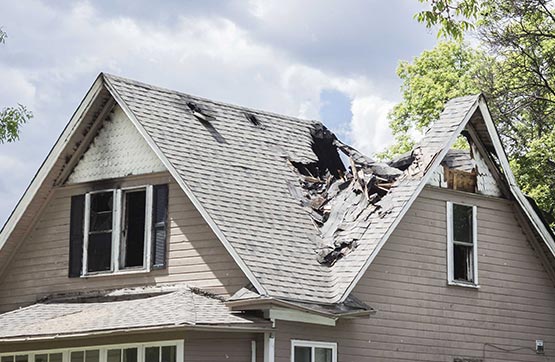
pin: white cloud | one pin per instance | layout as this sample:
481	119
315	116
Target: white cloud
369	126
211	56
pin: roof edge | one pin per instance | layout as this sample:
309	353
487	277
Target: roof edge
49	161
424	180
175	174
139	330
524	203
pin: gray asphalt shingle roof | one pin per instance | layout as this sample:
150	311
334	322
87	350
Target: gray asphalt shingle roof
240	172
179	308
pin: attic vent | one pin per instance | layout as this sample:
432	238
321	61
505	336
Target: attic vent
197	112
252	118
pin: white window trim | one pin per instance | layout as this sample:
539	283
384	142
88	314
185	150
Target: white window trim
103	350
450	263
117	220
313	345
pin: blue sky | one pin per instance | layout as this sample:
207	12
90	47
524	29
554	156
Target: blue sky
329	60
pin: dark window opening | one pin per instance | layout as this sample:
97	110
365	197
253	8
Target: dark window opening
462	223
133	230
463	243
463	265
100	232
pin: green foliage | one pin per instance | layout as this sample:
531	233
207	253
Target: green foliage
11	119
445	72
517	76
454	17
535	171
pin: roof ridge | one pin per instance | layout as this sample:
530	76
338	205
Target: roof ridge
209	100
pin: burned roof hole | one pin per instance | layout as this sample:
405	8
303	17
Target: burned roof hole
197	111
252	119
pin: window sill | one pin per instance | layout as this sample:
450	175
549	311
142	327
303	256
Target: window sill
463	284
120	272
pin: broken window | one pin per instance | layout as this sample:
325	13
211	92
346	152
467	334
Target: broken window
308	351
120	225
99	249
133	229
462	244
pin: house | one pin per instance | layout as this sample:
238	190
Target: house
164	227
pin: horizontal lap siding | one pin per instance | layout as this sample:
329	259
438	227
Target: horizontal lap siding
40	266
213	347
420	318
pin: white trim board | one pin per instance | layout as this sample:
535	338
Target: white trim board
517	193
423	181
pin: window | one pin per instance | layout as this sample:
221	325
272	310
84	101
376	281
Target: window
309	351
117	230
14	358
90	355
462	243
167	351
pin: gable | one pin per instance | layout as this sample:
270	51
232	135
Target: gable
466	170
195	257
118	150
407	283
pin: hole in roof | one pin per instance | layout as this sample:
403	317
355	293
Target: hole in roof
252	118
197	112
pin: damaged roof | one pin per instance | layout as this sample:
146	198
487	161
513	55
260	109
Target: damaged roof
113	312
256	184
302	213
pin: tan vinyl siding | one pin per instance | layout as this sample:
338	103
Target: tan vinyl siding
420	318
195	256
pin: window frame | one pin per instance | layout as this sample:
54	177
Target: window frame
103	350
118	216
450	247
313	345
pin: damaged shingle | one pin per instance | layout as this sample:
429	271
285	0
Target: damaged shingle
197	112
340	198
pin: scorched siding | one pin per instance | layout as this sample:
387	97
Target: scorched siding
195	255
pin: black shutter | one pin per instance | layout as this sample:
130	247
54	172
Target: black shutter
159	225
76	235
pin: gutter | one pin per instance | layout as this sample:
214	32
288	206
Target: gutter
268	303
139	330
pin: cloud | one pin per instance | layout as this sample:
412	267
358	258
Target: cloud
277	56
371	136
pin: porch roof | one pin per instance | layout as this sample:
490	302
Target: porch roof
180	309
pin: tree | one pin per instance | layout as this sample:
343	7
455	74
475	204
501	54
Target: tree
513	65
12	118
447	71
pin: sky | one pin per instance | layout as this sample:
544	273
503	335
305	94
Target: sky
333	61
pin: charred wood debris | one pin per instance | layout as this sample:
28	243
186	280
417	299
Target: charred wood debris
340	191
